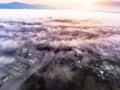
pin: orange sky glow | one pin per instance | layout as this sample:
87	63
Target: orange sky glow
84	4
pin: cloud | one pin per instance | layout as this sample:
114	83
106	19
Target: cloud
75	42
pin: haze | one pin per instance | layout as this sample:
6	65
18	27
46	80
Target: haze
65	3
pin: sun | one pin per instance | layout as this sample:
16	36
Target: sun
88	4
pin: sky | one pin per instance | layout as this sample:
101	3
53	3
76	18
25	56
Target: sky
65	3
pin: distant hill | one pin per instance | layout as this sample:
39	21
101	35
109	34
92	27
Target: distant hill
19	5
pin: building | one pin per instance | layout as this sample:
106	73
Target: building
18	66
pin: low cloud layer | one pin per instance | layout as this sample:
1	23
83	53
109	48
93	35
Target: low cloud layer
74	42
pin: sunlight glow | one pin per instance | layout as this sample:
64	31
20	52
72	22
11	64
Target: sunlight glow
74	4
88	4
69	3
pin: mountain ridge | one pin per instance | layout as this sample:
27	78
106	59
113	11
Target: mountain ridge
21	5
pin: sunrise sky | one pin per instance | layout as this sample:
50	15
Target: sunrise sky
69	3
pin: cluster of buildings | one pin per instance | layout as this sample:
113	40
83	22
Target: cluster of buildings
9	72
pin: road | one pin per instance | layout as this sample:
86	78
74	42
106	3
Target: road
15	82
